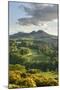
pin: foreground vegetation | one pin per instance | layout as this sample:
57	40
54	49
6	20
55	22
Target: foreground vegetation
19	77
32	64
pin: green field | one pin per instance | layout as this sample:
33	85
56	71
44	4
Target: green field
32	64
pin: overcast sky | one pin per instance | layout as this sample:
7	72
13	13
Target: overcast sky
28	17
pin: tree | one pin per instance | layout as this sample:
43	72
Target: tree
24	51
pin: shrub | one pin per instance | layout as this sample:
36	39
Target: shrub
27	82
44	81
14	76
52	82
17	67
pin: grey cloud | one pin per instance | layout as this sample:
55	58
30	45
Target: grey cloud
38	12
27	21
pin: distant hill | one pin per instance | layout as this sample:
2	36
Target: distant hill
36	35
39	35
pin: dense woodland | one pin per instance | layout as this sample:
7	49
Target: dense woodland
32	63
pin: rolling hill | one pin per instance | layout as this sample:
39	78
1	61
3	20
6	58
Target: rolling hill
39	35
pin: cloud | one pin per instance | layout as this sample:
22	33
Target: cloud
36	13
